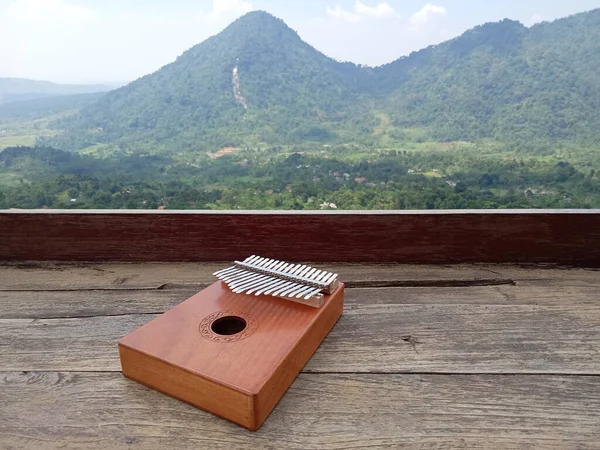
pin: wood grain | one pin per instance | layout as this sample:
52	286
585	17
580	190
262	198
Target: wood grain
545	325
326	411
11	329
568	236
43	276
240	380
183	385
82	304
440	338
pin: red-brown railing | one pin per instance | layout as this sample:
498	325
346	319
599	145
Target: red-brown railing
522	236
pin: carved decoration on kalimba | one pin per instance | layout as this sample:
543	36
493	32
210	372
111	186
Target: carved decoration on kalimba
296	282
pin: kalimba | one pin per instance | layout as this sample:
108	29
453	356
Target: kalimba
234	348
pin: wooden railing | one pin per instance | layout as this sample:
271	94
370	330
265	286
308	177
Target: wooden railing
521	236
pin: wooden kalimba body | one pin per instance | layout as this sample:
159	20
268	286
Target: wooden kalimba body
234	348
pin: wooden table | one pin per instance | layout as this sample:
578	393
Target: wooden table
493	356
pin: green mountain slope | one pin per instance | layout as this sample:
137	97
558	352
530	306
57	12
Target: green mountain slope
20	89
504	81
39	107
257	81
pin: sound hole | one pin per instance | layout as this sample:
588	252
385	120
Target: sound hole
228	325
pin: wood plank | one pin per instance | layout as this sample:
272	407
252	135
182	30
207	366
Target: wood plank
553	236
10	329
327	411
437	338
72	276
53	304
66	304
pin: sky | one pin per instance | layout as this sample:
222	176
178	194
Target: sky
106	41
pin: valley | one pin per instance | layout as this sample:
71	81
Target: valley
503	116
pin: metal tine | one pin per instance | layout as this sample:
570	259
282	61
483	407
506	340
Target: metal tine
330	278
244	286
302	272
315	275
280	265
287	270
311	293
304	291
307	274
259	262
262	279
261	284
275	285
229	269
297	269
250	272
256	284
291	269
268	262
283	285
322	275
293	292
235	284
244	281
223	271
300	292
246	275
250	282
264	285
252	258
283	290
238	276
250	289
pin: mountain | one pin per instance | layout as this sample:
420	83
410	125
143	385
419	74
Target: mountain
257	81
40	107
504	81
20	89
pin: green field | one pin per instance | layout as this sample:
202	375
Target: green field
14	141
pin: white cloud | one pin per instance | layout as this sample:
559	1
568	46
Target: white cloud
222	8
341	14
424	15
536	18
380	11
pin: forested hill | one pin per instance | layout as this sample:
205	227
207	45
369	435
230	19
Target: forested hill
505	81
21	89
257	81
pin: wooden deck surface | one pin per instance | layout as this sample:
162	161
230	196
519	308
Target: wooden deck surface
468	356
